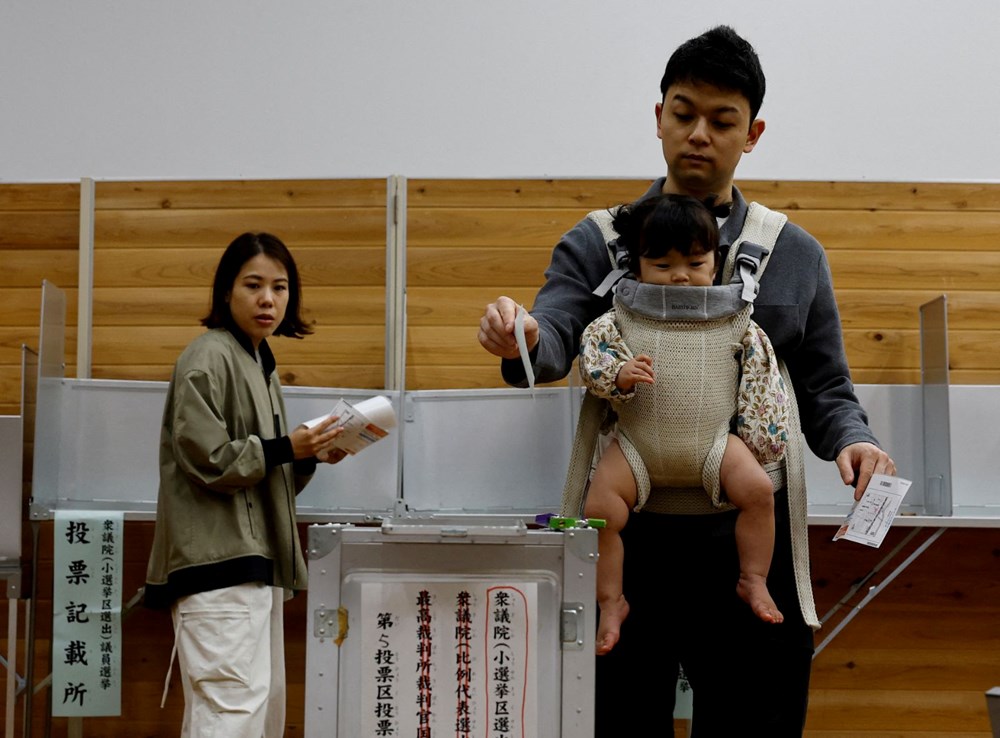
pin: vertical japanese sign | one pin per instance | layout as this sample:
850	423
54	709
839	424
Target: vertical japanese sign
454	659
86	614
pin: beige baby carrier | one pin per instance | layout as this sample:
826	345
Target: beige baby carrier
682	422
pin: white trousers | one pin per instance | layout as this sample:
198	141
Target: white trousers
231	650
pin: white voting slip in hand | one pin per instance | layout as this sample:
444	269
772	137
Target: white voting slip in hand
522	345
870	518
363	424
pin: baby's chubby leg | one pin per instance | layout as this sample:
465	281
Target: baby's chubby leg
748	487
611	496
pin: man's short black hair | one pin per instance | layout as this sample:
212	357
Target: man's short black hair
722	58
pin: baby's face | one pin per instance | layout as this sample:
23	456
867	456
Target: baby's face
697	269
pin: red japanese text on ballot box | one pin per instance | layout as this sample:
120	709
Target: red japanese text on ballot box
428	628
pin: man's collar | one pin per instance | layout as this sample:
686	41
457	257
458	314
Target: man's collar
733	226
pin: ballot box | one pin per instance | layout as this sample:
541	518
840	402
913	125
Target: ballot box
450	627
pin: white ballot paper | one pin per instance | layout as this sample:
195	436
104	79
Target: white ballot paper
522	346
870	518
368	421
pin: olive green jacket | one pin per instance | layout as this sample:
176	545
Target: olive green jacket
225	513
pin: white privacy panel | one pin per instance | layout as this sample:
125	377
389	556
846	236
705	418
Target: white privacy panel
895	414
975	450
105	455
364	483
502	450
465	451
103	451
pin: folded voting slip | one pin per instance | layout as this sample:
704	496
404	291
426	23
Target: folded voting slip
368	421
870	518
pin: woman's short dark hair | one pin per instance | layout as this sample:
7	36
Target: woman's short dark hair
656	225
243	248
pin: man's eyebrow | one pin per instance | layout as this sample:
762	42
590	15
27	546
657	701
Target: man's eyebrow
678	97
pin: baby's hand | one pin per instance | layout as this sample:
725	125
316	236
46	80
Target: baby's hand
634	371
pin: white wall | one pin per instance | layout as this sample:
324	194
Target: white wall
858	89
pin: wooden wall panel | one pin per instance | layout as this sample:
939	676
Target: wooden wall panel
891	247
39	230
155	242
917	196
918	658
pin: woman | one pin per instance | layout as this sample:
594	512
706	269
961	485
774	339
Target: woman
226	547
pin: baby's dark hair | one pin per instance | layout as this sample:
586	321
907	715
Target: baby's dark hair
656	225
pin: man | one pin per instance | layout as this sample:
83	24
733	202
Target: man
748	676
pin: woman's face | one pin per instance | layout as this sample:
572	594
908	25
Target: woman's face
259	297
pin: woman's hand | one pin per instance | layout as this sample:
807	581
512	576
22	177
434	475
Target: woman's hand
332	457
308	442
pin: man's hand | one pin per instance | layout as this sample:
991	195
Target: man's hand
635	371
496	329
859	461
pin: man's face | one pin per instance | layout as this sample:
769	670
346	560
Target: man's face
704	131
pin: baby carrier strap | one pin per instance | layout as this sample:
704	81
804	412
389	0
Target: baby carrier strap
761	227
604	220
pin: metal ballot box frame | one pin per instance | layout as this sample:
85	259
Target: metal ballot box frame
386	644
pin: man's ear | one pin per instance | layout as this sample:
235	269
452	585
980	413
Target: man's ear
659	112
754	134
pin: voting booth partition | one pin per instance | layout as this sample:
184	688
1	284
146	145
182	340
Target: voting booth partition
492	451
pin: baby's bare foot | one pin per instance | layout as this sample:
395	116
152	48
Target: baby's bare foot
752	588
613	614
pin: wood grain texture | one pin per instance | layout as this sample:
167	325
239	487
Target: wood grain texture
891	246
240	194
216	228
173	267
